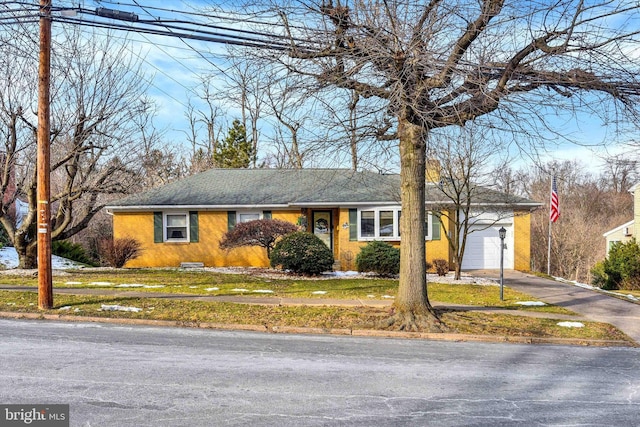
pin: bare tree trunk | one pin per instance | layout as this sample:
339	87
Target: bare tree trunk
414	312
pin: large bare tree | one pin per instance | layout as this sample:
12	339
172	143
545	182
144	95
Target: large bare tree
96	103
440	63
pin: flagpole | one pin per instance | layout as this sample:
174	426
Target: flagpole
554	214
550	222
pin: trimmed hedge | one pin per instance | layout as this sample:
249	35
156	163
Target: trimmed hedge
302	253
380	258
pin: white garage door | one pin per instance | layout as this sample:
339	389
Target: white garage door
483	248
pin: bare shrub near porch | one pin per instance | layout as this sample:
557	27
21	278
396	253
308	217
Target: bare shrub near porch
442	266
260	232
116	252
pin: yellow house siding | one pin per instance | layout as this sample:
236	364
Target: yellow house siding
522	240
348	249
439	249
212	225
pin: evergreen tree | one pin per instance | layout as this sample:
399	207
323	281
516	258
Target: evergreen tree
235	151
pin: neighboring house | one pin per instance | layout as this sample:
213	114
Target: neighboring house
185	220
628	230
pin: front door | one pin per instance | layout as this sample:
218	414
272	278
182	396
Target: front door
323	228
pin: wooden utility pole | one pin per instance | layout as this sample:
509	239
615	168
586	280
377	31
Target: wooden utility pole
45	284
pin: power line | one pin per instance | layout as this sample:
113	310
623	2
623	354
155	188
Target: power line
197	14
182	29
181	39
205	36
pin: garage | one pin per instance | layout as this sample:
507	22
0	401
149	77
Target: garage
483	247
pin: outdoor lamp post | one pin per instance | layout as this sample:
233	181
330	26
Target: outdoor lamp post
502	233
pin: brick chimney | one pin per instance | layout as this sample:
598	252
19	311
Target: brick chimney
433	170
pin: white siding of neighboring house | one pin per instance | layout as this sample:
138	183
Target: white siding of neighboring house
636	210
629	230
623	233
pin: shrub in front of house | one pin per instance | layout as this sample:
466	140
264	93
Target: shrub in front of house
72	251
380	258
441	266
116	252
622	267
302	253
598	276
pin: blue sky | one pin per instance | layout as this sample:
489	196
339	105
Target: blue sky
174	68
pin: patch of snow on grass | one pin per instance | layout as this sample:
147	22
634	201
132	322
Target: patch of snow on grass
263	291
531	303
211	289
130	285
73	283
319	292
571	324
101	283
342	273
9	258
65	308
105	307
388	296
239	290
153	286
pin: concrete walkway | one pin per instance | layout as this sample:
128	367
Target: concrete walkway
593	305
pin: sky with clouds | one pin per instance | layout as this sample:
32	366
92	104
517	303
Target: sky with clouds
175	67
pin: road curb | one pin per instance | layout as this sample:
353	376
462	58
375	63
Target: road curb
320	331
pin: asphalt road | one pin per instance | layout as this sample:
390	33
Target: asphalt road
147	376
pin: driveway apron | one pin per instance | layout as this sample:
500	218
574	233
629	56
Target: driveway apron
591	304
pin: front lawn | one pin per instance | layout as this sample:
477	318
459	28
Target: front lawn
202	282
160	283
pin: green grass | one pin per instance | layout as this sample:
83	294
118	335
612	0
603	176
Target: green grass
198	282
198	312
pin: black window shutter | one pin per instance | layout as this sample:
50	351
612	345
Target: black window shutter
266	214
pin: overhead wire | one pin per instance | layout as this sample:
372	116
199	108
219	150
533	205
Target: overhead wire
180	28
198	14
181	39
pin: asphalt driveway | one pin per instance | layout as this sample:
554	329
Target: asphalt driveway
591	304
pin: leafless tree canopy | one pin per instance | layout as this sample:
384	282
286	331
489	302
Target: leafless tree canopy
441	63
97	112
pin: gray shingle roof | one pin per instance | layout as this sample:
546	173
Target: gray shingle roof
278	187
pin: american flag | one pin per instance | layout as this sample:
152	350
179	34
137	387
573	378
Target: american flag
554	213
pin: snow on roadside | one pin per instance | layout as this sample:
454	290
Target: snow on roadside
595	288
116	307
571	324
9	258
